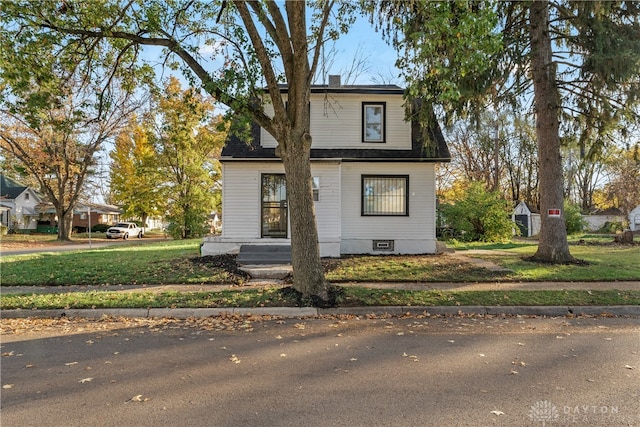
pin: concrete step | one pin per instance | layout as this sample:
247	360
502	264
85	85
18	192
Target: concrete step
267	272
264	254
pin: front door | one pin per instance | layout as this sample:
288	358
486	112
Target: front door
274	206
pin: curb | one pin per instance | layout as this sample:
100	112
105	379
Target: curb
292	312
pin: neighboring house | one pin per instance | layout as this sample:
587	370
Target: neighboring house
373	184
634	219
94	214
18	205
527	219
596	220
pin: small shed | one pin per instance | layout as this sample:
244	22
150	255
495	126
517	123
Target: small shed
527	219
596	220
634	219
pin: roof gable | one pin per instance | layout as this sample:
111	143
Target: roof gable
10	189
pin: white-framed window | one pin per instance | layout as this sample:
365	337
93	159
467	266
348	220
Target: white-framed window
26	196
315	185
373	121
385	195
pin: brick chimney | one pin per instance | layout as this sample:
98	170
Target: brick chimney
334	80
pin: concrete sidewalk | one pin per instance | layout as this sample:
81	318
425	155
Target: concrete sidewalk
411	286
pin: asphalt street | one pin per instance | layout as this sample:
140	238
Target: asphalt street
333	371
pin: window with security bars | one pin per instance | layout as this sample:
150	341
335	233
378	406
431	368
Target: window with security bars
385	195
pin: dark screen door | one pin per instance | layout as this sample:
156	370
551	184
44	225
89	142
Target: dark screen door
274	206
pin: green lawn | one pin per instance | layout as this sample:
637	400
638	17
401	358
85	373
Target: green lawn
166	262
178	262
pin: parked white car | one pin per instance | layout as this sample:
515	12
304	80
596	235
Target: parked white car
124	230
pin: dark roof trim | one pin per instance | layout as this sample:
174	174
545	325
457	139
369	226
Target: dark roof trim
356	89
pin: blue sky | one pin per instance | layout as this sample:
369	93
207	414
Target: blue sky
361	42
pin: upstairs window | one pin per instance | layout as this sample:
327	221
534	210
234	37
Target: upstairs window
373	121
385	195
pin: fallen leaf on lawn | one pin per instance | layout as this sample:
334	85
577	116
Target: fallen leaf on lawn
85	380
7	386
497	413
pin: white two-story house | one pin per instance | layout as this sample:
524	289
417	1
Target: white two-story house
18	205
373	181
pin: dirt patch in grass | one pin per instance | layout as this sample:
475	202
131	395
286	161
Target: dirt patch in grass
335	293
535	260
226	262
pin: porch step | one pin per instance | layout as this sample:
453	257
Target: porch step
264	254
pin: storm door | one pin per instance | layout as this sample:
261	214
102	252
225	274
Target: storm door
274	206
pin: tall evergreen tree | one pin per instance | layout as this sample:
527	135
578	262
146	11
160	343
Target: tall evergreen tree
574	59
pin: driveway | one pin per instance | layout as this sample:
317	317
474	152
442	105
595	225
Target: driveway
8	249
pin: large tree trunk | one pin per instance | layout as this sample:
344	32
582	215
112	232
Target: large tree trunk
308	275
553	245
65	223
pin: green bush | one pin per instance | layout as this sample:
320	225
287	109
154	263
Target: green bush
612	227
573	218
3	230
479	215
100	228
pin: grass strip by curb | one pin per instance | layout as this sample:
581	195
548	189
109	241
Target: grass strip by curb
352	297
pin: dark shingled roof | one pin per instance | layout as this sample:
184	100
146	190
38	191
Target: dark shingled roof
10	189
237	149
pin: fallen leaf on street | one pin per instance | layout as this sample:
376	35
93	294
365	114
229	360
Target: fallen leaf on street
85	380
234	358
629	367
497	413
7	386
70	363
138	398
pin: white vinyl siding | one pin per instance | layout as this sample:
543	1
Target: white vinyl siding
241	198
328	204
419	224
336	122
